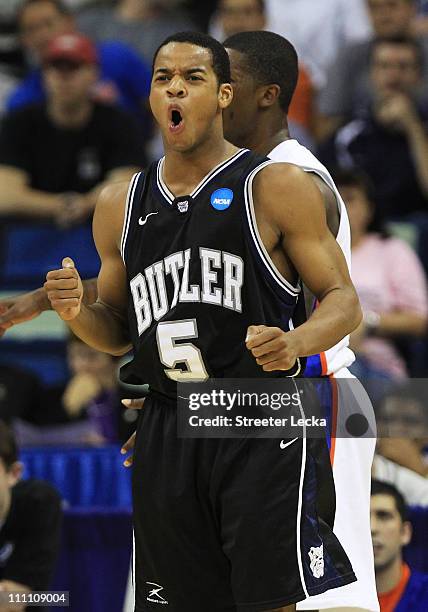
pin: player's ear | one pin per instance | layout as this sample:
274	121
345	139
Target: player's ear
225	95
268	95
406	534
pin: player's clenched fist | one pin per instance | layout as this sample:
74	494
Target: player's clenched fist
272	348
65	290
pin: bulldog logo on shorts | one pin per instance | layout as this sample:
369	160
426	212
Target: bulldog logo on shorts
316	556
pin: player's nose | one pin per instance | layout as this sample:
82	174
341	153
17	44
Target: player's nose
176	87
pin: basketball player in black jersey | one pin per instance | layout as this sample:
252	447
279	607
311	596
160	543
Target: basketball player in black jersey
199	250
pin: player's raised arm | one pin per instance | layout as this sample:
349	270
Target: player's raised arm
289	206
102	325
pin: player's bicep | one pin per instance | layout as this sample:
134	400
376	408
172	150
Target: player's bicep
295	206
318	259
107	229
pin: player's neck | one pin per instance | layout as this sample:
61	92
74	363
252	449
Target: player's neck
387	578
184	171
70	116
270	143
268	136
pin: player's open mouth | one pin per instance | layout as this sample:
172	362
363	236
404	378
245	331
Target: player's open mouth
176	122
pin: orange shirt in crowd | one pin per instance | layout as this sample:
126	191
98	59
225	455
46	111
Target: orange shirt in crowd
388	601
301	108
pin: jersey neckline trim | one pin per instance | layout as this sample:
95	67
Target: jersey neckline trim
170	197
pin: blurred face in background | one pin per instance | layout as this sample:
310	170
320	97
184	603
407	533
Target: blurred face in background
389	533
391	17
358	207
82	359
241	16
395	68
39	24
403	417
69	84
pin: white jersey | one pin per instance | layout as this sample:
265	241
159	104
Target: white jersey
290	151
351	457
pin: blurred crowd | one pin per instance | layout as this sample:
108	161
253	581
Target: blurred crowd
74	114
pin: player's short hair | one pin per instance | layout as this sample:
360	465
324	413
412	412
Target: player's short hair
220	59
271	59
59	5
8	447
407	41
384	488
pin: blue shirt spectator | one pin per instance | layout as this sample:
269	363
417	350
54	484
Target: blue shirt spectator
124	79
399	588
415	596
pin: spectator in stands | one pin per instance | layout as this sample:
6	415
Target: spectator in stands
318	29
86	410
413	486
201	12
56	156
143	24
11	56
390	283
30	519
233	16
92	391
123	78
390	144
403	426
344	98
399	588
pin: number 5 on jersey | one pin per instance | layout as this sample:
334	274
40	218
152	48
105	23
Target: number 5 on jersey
171	353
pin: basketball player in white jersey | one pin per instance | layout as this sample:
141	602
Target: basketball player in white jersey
261	65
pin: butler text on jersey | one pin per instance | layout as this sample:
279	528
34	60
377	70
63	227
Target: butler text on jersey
222	278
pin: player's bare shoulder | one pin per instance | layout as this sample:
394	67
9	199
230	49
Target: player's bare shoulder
110	210
285	192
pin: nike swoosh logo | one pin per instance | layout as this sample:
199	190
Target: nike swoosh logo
283	444
140	220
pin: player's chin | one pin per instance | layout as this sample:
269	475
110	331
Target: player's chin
180	145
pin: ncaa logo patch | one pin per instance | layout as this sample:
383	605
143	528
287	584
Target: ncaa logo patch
221	199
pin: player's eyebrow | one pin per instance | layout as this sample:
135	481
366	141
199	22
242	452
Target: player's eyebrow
187	70
193	70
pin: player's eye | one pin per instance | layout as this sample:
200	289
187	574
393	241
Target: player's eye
162	77
194	77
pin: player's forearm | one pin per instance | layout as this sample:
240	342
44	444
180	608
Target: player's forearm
337	315
102	328
90	294
26	201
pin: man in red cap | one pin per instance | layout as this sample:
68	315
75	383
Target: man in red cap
56	156
124	77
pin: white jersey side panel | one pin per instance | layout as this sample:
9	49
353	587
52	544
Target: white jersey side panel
290	151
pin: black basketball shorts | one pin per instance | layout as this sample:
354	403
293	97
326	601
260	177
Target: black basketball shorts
232	524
